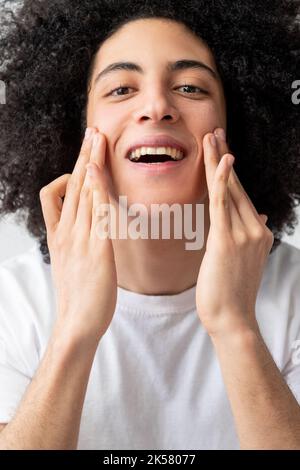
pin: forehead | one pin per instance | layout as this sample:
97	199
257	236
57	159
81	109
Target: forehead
143	39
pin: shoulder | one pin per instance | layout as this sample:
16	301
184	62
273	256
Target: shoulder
285	256
27	303
278	301
282	273
27	260
24	277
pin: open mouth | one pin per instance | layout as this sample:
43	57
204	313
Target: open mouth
165	155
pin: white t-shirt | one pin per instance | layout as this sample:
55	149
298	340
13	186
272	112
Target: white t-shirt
155	381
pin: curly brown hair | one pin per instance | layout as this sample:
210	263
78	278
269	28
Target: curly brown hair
46	58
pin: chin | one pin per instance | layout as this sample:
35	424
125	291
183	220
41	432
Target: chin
166	198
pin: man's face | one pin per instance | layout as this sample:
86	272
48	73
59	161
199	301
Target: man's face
157	101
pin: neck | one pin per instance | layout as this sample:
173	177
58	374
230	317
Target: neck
158	267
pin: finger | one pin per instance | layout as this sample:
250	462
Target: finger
99	159
51	201
85	154
237	224
219	199
98	150
98	181
211	159
242	201
98	156
85	205
70	206
101	206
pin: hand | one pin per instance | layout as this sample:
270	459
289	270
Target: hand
237	247
82	264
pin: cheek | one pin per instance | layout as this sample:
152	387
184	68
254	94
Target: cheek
105	120
110	124
206	120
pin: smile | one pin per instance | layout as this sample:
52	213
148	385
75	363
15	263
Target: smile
155	155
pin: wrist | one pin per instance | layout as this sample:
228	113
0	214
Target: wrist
241	330
243	348
69	341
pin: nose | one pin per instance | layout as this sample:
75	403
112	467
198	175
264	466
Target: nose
156	106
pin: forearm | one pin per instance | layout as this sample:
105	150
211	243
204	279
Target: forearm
266	414
49	414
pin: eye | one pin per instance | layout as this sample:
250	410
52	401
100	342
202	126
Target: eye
200	90
121	87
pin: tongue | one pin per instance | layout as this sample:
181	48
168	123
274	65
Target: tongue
154	158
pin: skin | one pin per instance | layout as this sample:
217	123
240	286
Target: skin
87	269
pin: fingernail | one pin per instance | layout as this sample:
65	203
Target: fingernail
213	140
90	169
220	133
88	133
230	160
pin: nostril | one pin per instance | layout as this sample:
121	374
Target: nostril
167	117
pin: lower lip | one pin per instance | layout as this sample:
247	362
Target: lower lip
157	168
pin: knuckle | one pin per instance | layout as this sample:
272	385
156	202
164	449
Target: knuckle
221	201
258	233
85	192
222	178
44	191
262	235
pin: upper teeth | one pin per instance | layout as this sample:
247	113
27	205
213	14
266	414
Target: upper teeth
172	152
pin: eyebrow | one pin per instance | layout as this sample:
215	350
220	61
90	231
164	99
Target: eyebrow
182	64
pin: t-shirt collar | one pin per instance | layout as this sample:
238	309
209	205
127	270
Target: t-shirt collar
158	304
